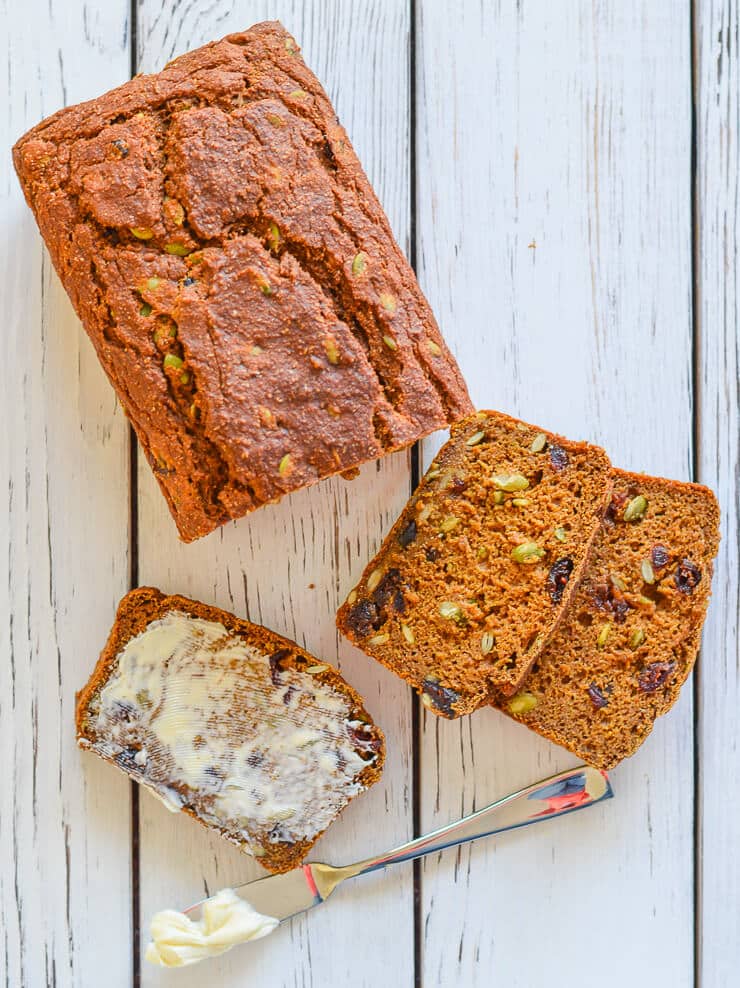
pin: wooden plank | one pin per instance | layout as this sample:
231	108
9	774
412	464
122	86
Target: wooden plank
289	565
554	237
717	101
64	818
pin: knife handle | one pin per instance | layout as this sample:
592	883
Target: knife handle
553	797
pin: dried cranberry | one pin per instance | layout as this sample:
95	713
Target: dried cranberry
597	697
364	617
659	556
442	698
614	507
408	535
120	146
363	737
607	598
255	759
399	602
275	664
189	281
432	554
557	578
687	576
558	457
388	587
287	696
457	487
656	675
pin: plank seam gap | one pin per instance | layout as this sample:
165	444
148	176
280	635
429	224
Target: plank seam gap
135	856
696	434
415	477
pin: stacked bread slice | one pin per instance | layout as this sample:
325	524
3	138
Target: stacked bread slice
529	574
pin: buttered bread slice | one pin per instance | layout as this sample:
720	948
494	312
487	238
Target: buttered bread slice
229	722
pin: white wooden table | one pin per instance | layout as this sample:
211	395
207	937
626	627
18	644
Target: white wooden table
564	174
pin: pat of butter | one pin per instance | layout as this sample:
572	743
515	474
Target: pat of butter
226	921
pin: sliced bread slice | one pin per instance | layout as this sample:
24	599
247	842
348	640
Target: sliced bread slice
631	636
229	722
477	572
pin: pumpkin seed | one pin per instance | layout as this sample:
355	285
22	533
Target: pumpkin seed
648	573
388	301
374	579
378	639
359	262
408	634
522	703
538	443
321	667
434	348
332	352
286	465
449	523
636	508
527	552
637	638
487	642
424	511
178	249
172	360
450	611
603	635
273	237
390	342
561	535
351	596
510	482
520	502
142	232
476	438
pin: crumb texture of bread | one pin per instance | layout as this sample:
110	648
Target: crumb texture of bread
230	723
238	278
481	566
632	634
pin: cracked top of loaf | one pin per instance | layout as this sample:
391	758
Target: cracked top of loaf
238	277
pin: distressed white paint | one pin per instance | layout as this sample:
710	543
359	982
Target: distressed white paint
718	319
554	241
554	225
290	565
65	896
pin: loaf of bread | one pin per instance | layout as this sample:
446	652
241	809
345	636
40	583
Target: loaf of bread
229	722
631	636
238	278
481	566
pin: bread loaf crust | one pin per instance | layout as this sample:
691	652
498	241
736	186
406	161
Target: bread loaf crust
238	278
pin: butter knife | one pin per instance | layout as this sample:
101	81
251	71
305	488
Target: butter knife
283	896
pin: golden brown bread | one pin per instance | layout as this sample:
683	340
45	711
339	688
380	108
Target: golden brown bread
481	566
238	277
630	638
